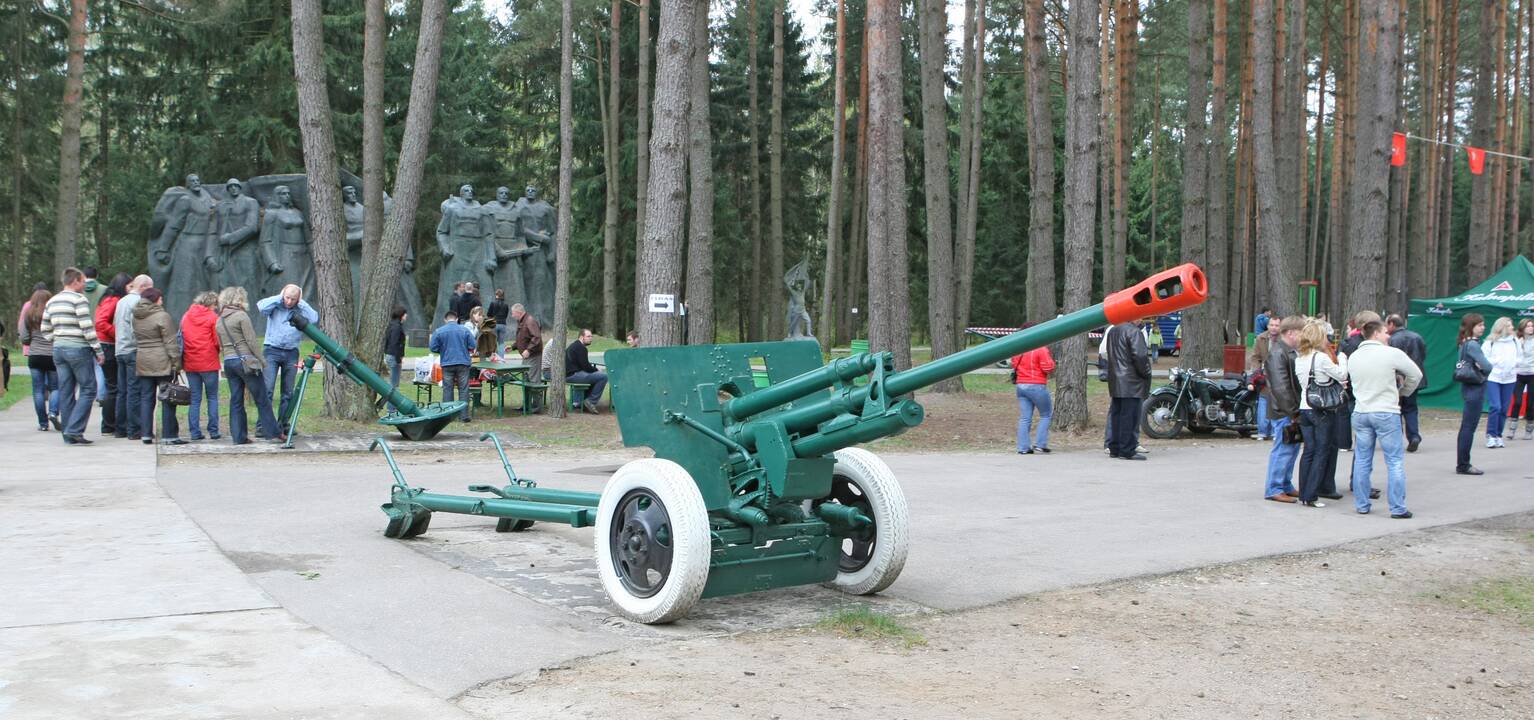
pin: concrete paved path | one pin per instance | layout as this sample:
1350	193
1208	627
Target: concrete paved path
263	574
115	604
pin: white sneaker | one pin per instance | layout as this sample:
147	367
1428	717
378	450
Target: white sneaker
1501	443
1512	430
1491	442
1141	449
1528	432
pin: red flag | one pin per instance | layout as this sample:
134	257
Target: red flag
1397	149
1477	159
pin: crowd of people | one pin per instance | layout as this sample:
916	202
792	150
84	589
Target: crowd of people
116	346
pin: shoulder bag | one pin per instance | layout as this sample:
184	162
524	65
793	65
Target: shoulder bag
246	361
174	392
1322	396
1465	371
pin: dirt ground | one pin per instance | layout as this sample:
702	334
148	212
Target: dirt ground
1431	624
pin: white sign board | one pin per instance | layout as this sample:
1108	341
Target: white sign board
662	303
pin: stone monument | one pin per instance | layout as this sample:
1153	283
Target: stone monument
536	226
511	250
467	250
183	249
798	281
285	245
408	295
239	222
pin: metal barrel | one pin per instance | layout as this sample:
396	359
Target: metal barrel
842	369
343	360
1168	291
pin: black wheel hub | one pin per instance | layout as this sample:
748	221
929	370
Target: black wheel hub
857	548
640	542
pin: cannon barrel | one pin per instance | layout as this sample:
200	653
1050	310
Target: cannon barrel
342	360
1168	291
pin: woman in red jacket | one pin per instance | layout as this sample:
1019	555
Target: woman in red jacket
1031	371
106	332
201	360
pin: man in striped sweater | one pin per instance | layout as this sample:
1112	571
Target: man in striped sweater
67	319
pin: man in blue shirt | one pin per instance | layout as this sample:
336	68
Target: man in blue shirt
1260	323
455	343
281	343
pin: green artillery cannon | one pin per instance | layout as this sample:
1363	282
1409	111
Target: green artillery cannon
412	420
752	487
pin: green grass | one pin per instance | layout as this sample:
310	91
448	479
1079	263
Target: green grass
1511	597
861	621
19	389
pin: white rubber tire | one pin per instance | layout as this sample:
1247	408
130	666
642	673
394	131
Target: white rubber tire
891	522
690	534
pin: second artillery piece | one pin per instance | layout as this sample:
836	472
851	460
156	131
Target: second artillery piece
754	488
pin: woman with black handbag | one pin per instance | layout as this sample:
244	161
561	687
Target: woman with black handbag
1321	381
1470	371
237	341
159	362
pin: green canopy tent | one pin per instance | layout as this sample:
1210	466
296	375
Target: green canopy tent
1508	293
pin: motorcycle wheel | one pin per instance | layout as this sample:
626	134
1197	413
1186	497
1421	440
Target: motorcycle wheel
1200	430
1161	421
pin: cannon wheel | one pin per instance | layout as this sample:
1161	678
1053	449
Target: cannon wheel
1161	421
869	565
652	541
512	525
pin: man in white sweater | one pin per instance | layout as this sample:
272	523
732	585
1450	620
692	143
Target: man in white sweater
1379	375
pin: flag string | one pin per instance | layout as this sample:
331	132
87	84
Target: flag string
1468	147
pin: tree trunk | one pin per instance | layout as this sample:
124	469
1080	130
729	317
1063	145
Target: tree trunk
966	107
964	249
856	319
642	161
1312	244
1379	33
889	327
1446	170
1335	256
610	149
1124	47
1041	165
18	163
1081	141
380	279
1201	324
557	405
1217	249
1481	135
1108	91
777	304
829	329
103	170
700	166
373	32
71	113
1510	246
760	324
1269	223
665	225
933	27
1291	136
1496	166
331	272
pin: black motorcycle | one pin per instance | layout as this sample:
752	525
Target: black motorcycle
1202	401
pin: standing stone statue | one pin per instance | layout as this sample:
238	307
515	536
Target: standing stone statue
285	245
798	281
239	222
536	225
408	295
467	250
184	256
511	249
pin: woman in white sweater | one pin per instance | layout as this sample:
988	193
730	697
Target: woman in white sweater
1318	463
1525	373
1502	351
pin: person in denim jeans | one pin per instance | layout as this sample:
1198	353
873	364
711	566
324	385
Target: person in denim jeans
201	360
45	376
243	368
1471	326
281	343
394	348
69	322
1030	371
455	344
1283	408
1379	375
128	399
